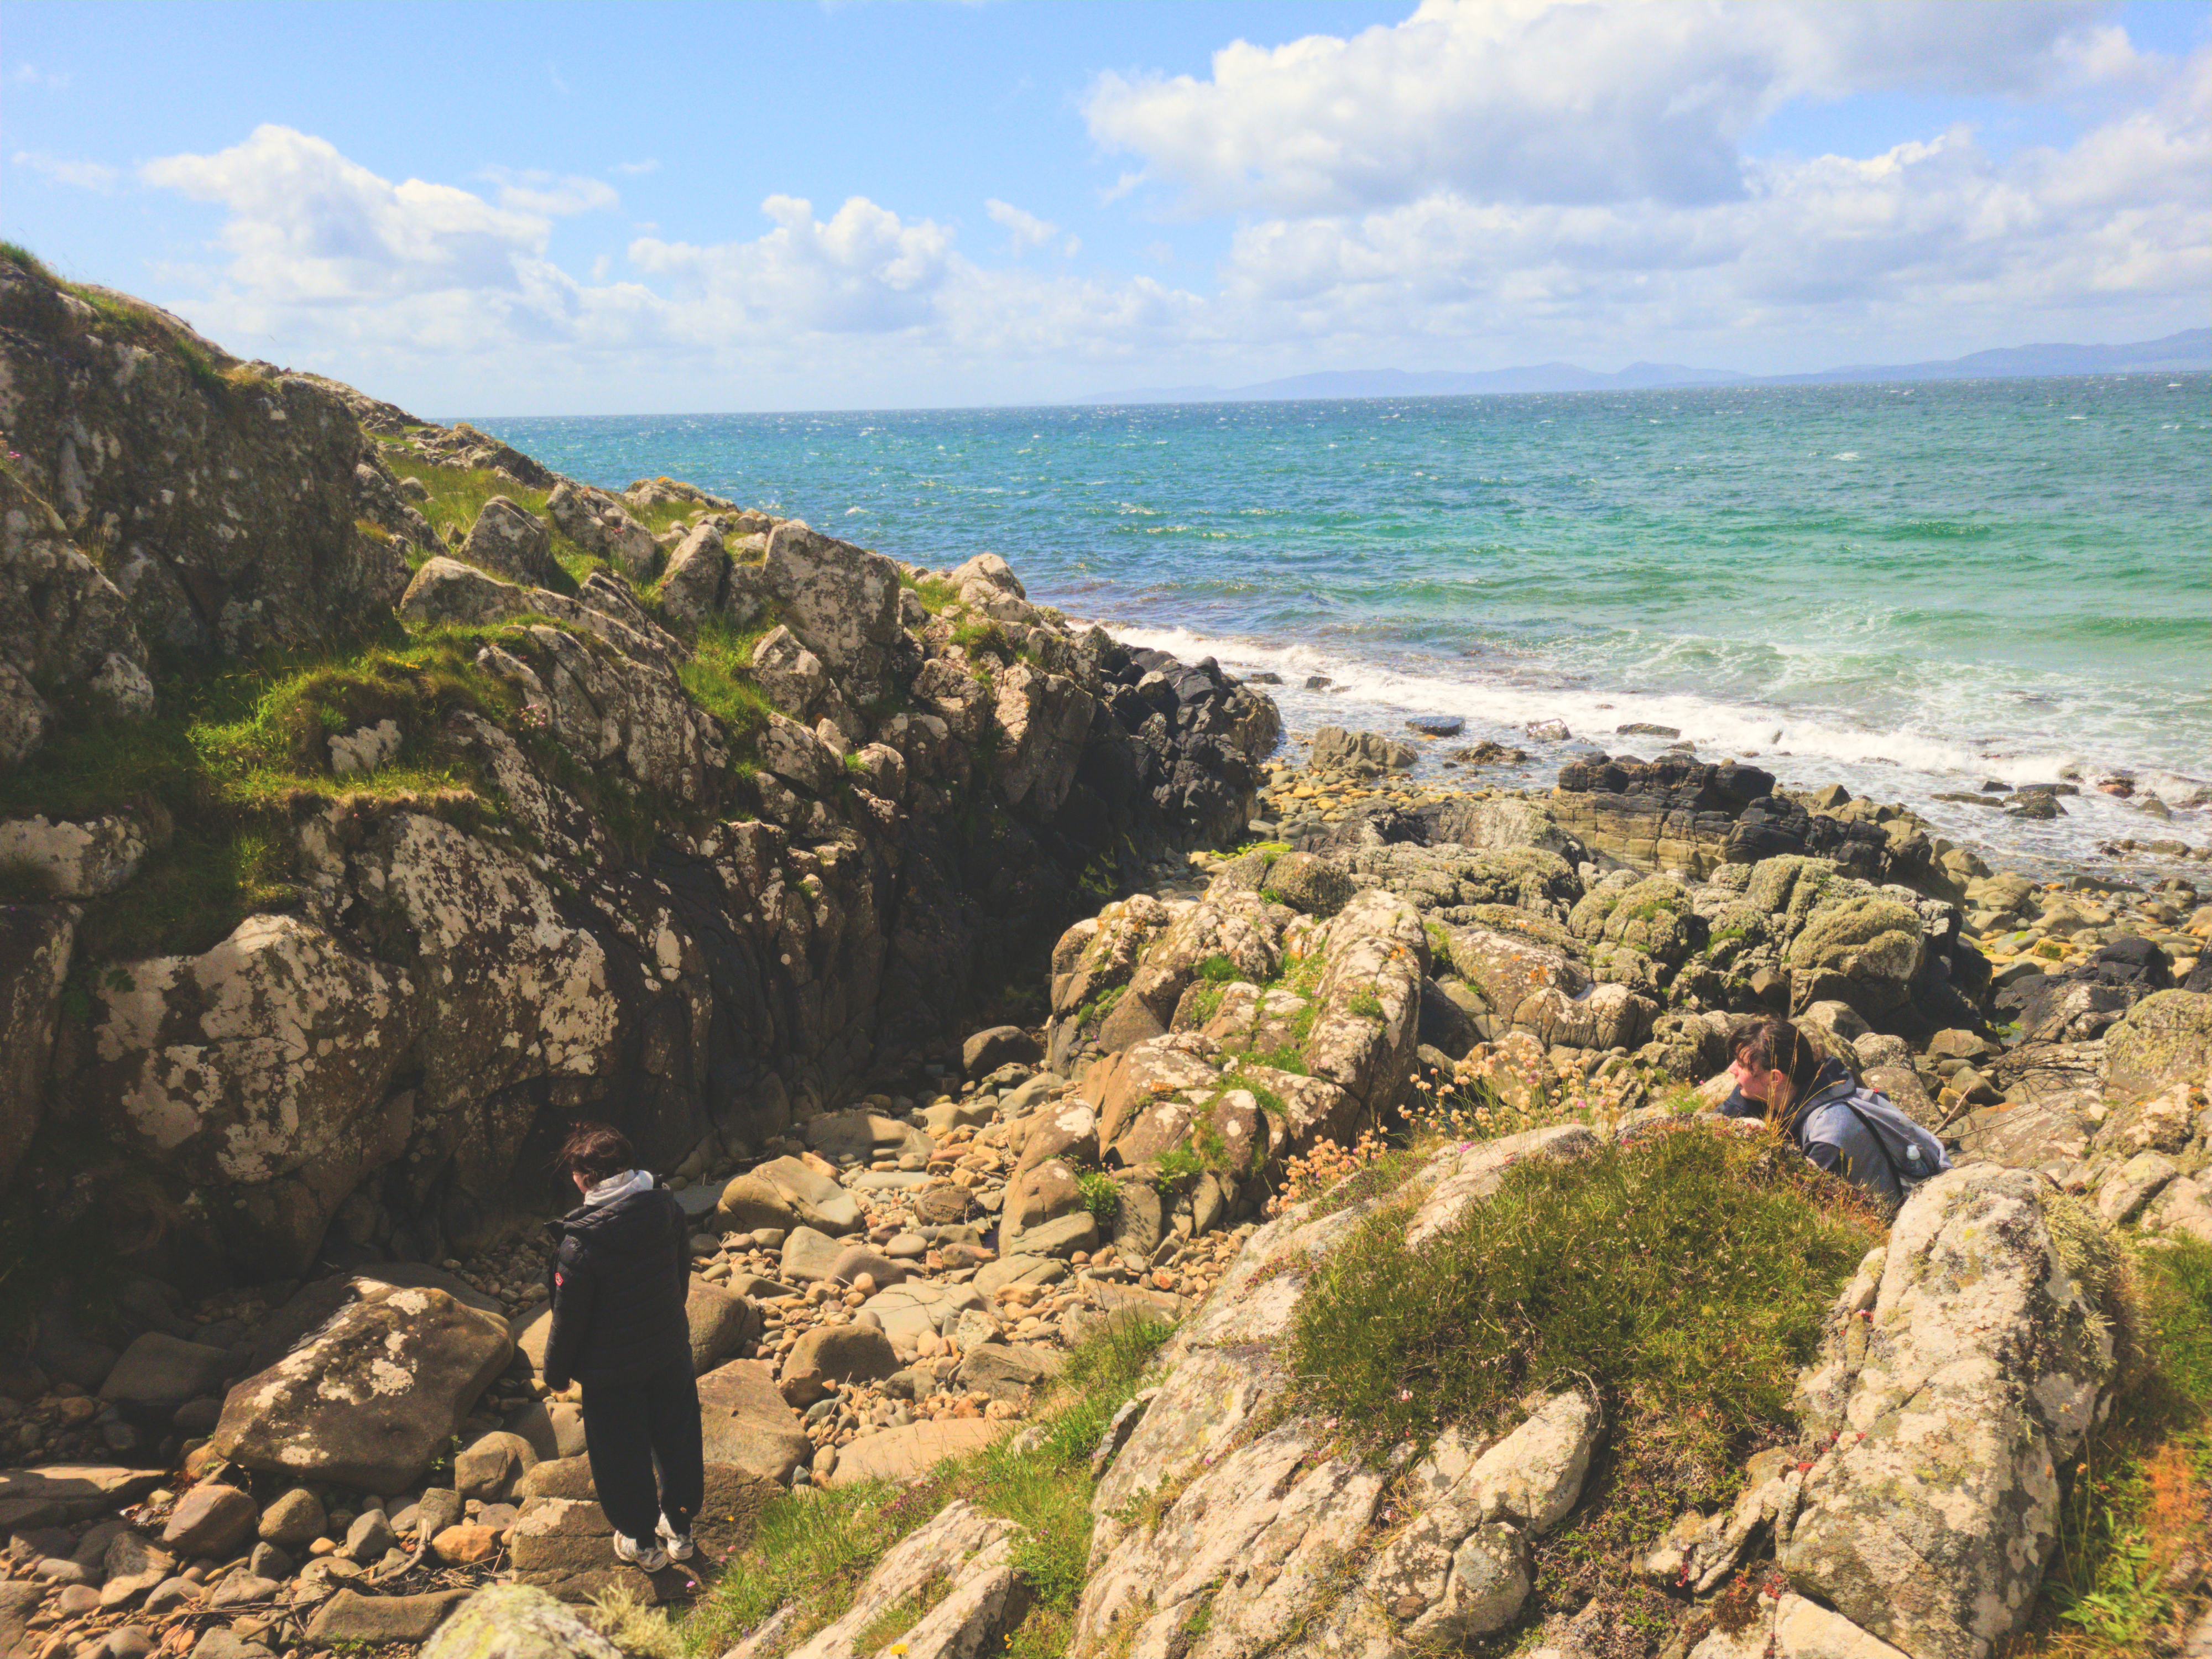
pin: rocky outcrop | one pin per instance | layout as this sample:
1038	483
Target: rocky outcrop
1970	1358
218	496
1679	815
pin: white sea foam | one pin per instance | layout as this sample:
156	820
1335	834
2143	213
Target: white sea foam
1804	748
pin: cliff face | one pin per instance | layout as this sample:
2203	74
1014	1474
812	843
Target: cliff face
353	875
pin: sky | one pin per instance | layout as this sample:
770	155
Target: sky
552	209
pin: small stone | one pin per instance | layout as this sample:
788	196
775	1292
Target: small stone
211	1520
466	1545
369	1537
293	1519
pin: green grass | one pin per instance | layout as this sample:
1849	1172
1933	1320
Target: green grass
719	677
226	761
935	592
2140	1501
1687	1270
815	1552
457	494
1683	1277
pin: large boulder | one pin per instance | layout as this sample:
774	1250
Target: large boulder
1954	1407
509	540
373	1397
262	1069
219	496
842	602
746	1423
1866	951
1366	752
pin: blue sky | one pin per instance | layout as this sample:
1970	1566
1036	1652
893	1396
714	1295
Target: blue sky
508	208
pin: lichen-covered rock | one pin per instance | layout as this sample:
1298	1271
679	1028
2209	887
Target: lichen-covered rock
262	1069
370	1399
1043	717
510	541
1873	945
603	527
218	494
842	603
516	1621
75	859
1369	1001
1956	1404
2167	1038
691	587
967	1555
63	623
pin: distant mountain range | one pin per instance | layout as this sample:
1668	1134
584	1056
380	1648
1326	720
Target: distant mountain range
2191	349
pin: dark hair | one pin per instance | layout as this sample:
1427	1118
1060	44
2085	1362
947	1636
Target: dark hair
596	1150
1767	1043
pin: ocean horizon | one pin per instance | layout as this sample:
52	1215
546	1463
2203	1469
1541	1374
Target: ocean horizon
1913	590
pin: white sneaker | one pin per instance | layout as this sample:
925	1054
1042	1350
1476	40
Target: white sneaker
647	1558
678	1544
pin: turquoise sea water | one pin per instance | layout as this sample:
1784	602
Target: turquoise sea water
1910	589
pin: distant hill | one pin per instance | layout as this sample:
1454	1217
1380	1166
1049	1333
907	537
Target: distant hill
2191	349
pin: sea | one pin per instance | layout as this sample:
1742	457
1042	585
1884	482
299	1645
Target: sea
1914	590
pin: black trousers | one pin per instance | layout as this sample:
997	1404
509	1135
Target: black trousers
632	1429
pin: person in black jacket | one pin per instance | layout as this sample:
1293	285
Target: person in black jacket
620	1276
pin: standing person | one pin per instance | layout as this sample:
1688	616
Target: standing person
620	1276
1843	1127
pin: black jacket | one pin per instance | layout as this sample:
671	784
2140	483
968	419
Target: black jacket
619	1278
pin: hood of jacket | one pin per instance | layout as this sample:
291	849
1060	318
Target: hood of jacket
1832	1082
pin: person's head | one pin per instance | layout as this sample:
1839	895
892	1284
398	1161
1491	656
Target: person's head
594	1151
1773	1062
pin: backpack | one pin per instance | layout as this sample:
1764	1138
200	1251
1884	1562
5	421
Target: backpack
1912	1152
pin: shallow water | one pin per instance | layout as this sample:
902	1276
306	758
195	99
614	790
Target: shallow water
1910	589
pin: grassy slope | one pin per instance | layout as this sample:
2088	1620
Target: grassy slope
2136	1531
815	1551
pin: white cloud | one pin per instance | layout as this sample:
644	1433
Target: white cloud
306	224
552	196
863	270
1025	230
1528	101
637	170
62	170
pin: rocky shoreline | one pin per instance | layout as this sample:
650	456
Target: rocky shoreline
980	983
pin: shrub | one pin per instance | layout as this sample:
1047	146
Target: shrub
1687	1272
1102	1196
